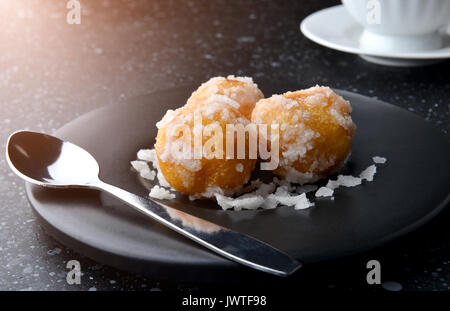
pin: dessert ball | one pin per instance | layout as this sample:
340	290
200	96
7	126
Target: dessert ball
315	132
239	92
191	150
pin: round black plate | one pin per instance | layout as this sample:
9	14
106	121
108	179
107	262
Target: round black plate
410	189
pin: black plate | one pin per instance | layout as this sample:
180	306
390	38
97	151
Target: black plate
408	191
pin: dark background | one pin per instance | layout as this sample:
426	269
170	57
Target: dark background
52	72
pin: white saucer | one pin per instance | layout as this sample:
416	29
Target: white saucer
334	28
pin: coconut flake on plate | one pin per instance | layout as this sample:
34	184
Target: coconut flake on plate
283	197
302	202
147	173
246	201
263	197
368	173
332	184
256	194
249	200
343	180
158	192
348	180
139	165
379	160
324	192
148	155
142	168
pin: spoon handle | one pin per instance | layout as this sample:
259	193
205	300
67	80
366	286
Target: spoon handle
230	244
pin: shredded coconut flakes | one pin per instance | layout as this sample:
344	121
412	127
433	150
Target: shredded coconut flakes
368	173
324	192
256	194
379	160
139	165
158	192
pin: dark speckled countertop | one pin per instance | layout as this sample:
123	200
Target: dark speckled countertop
52	72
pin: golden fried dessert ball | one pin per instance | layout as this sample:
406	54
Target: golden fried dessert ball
315	132
239	92
201	172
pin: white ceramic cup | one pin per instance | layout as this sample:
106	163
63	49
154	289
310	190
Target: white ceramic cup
400	25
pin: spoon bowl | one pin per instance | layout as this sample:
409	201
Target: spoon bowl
49	161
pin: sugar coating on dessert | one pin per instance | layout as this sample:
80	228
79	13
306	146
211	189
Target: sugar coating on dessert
223	99
168	117
301	141
298	139
339	108
158	192
379	160
196	161
233	92
239	92
216	111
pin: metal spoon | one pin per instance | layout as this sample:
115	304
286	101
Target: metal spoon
51	162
